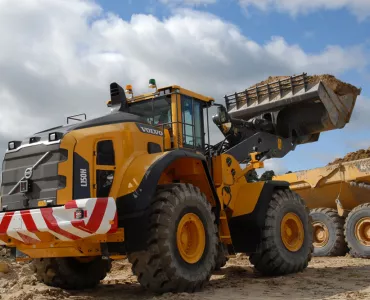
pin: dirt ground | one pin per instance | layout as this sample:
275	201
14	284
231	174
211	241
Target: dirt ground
325	278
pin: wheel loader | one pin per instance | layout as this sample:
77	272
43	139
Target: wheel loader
143	182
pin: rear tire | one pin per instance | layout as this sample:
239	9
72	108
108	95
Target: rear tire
182	244
278	252
69	273
328	228
357	231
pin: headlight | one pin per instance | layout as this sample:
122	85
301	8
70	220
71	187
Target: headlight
13	145
54	136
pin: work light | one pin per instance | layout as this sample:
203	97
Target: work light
55	136
152	83
13	145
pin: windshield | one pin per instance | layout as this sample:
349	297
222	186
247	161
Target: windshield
156	111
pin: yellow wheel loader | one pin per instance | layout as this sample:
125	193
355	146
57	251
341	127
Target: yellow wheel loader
143	182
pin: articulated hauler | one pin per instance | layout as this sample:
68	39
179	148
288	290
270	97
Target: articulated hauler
338	196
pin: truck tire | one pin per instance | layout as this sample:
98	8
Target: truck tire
357	231
70	273
286	243
328	229
182	244
221	259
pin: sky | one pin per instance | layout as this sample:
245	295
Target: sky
58	57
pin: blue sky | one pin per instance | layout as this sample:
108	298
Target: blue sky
313	32
76	48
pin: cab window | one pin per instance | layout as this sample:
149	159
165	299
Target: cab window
156	111
192	119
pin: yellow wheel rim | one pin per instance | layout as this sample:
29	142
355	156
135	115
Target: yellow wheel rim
292	232
362	231
320	234
191	238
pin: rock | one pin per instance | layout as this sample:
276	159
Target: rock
4	267
4	252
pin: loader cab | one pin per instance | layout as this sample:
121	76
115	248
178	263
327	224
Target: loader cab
178	111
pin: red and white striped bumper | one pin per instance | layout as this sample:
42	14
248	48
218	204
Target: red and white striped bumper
99	217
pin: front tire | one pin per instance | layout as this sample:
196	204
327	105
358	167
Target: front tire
182	244
286	243
69	273
357	231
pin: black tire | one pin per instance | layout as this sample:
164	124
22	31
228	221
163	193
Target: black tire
273	257
161	268
335	244
356	248
222	258
69	273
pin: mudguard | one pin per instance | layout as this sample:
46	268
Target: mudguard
246	229
132	208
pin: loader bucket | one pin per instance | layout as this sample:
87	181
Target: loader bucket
300	106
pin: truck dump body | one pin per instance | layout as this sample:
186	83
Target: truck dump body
320	187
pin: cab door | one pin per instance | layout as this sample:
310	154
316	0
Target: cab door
105	167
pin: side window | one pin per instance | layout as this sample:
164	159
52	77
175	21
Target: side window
187	120
105	153
198	123
105	162
193	127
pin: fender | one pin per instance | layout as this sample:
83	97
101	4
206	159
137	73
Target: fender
246	229
132	208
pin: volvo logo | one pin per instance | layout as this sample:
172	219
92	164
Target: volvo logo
28	173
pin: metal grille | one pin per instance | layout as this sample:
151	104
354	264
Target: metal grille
264	91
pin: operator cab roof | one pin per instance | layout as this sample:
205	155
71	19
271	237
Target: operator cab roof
169	90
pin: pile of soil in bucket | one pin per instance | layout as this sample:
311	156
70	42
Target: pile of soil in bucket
339	87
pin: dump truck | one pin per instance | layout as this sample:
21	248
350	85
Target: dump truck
338	198
143	182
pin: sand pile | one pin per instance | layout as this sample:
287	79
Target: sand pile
360	154
338	86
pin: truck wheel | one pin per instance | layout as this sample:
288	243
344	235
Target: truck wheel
182	244
221	259
286	242
70	273
357	231
328	233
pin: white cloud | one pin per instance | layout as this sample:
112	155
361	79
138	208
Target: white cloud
188	2
58	57
360	8
275	165
360	115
